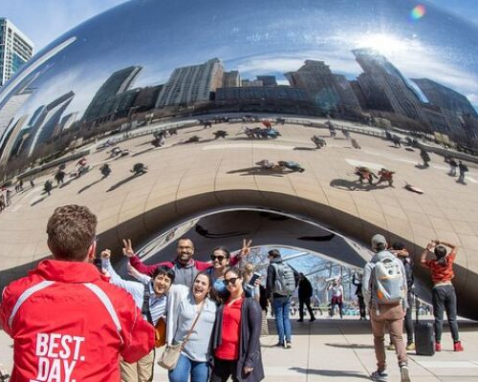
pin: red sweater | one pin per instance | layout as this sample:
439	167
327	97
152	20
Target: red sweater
231	327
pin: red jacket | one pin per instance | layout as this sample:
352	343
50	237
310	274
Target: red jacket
69	324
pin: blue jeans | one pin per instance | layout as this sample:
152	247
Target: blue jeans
281	306
185	369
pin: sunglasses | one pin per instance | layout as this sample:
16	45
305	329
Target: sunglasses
219	258
232	281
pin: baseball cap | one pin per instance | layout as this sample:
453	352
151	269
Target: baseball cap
378	240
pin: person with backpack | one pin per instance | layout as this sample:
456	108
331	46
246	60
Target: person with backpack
443	292
385	294
281	284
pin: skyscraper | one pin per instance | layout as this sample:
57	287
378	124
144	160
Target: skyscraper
118	83
384	87
267	80
191	84
331	92
15	49
232	79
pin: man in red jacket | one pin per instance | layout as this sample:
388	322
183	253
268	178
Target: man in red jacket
68	323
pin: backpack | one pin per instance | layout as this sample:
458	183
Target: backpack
284	283
387	281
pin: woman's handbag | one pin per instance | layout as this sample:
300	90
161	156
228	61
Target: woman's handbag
171	354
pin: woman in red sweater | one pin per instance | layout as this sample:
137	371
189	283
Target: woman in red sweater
236	349
443	293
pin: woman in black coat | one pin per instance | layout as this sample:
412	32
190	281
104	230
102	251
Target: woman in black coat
236	349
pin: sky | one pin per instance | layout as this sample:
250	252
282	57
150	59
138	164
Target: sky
45	20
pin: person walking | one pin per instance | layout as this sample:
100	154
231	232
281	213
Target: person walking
385	289
399	250
305	293
357	281
66	320
152	299
463	168
425	157
337	297
236	349
191	317
443	292
280	285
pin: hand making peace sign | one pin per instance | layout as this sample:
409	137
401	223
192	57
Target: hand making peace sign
128	248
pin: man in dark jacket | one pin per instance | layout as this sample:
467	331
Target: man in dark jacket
305	293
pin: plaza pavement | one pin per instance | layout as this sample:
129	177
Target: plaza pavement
341	351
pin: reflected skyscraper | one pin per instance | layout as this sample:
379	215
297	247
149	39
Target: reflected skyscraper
329	91
111	93
232	79
384	87
191	84
45	122
267	80
15	49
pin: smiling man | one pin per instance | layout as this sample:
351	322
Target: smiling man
184	266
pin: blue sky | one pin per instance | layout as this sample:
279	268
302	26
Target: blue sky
45	20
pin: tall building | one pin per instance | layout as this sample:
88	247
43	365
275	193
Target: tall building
8	111
249	83
15	49
267	80
45	122
118	83
384	87
232	79
330	91
192	84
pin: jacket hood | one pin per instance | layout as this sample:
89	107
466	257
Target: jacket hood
276	260
380	256
68	271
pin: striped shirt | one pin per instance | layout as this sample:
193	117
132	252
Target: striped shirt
157	305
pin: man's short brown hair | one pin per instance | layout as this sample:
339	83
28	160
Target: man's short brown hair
71	231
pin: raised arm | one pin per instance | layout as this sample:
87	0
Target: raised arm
423	256
136	262
245	251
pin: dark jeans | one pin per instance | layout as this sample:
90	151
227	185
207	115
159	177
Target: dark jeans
306	301
223	370
444	299
408	321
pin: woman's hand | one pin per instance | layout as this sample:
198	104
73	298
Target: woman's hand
106	254
246	248
248	370
128	248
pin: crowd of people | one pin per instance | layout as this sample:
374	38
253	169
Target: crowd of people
208	316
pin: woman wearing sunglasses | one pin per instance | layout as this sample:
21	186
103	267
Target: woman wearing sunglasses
236	350
220	263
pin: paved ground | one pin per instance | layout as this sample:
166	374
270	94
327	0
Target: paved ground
332	349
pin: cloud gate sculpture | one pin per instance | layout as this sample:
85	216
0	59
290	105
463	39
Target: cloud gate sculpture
233	115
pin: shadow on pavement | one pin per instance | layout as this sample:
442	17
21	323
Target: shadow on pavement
331	373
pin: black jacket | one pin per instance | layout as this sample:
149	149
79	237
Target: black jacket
249	344
305	288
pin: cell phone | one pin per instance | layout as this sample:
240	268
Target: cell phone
254	278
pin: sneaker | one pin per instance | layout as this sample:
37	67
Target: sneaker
300	320
312	319
379	376
287	345
391	347
404	374
411	346
279	345
438	346
457	346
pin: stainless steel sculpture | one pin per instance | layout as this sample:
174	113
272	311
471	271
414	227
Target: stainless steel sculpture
156	113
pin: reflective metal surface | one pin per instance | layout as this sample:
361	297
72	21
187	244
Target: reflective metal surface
170	106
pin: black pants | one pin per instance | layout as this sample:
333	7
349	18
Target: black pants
363	311
222	370
306	301
408	321
444	299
